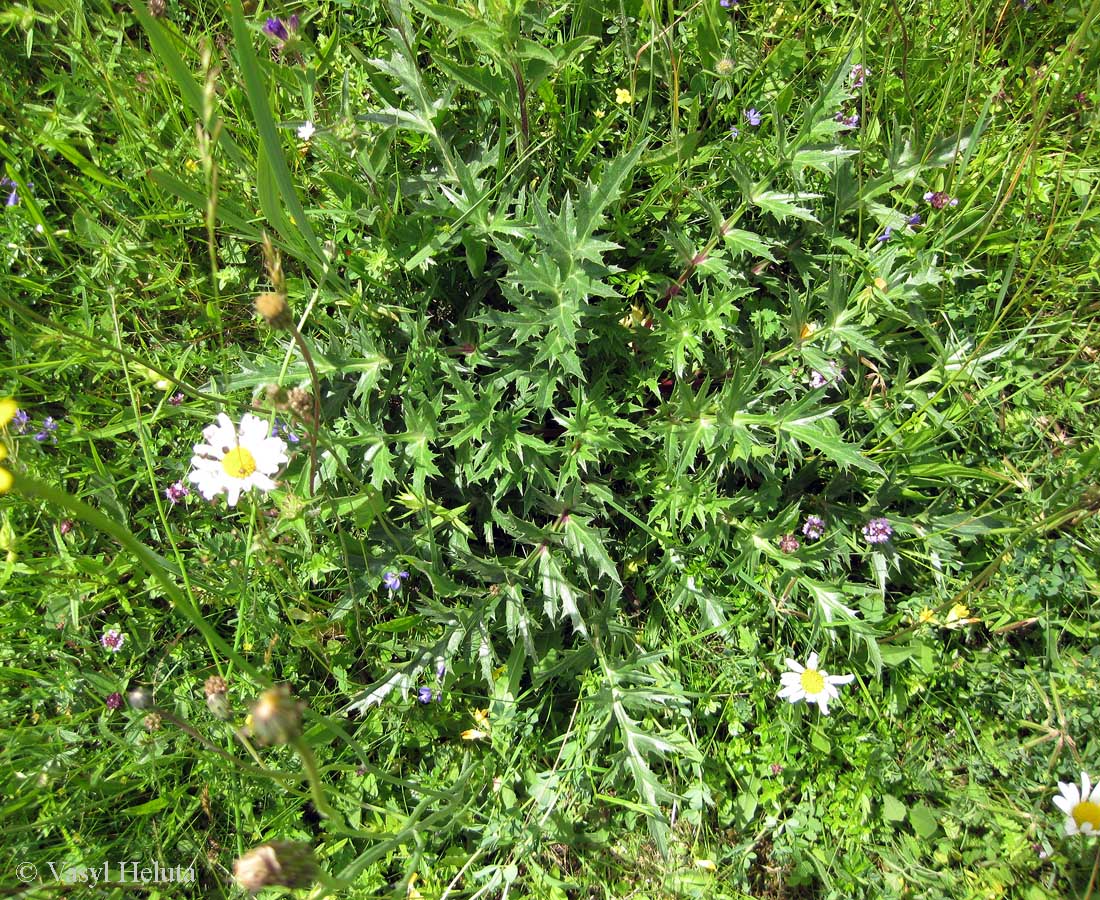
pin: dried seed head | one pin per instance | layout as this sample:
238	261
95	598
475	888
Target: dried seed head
215	684
274	265
277	397
276	864
274	309
220	706
276	717
157	8
152	722
300	402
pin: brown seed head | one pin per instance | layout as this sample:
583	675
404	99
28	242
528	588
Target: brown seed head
274	309
215	684
300	402
276	864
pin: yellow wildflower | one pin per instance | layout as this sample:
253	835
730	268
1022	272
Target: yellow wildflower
6	478
474	734
926	616
623	96
600	114
958	616
8	409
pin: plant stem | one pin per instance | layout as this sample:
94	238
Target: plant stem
313	774
316	424
1092	878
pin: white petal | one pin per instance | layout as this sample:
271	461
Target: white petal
1094	797
261	481
254	430
1086	785
811	663
1071	826
221	433
795	666
823	703
1064	804
1070	792
233	491
790	678
840	679
794	694
268	459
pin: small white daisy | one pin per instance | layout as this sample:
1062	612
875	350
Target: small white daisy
306	131
1082	807
231	462
811	684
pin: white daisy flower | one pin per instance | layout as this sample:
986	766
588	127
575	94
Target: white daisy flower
306	131
231	462
1082	807
811	684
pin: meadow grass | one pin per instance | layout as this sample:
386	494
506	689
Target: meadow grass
612	363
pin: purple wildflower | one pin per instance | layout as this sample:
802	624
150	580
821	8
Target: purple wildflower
885	236
729	4
176	492
857	75
734	131
440	669
877	531
280	427
65	526
813	527
789	543
113	640
914	220
392	580
113	701
21	419
49	426
176	399
13	197
940	199
753	117
818	380
851	121
425	695
275	28
279	32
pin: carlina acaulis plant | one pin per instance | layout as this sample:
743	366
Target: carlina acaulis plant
275	310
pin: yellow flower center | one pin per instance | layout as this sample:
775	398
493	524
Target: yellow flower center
1087	811
813	682
239	463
